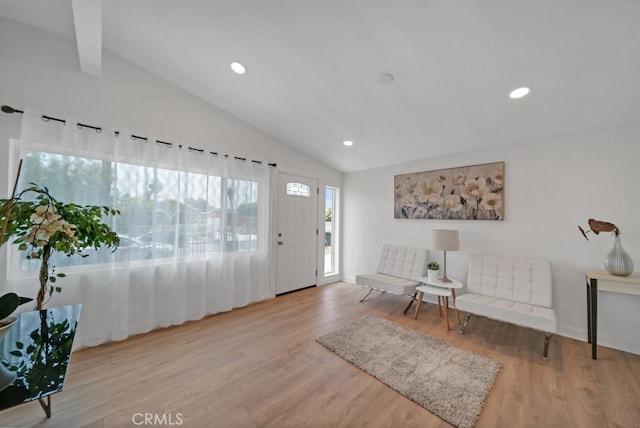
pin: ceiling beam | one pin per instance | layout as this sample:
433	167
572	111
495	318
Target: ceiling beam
87	17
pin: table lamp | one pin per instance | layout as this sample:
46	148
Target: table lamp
445	240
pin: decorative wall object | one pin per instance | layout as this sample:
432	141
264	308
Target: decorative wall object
473	192
618	261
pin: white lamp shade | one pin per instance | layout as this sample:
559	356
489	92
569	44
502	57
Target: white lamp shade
445	240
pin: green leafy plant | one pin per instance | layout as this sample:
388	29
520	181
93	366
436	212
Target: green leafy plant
433	266
43	225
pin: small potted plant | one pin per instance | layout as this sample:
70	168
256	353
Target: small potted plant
432	270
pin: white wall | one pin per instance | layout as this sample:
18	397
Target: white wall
551	187
40	69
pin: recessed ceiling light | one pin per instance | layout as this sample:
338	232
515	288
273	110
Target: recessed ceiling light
238	68
520	92
348	143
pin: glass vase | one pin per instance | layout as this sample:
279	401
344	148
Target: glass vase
618	262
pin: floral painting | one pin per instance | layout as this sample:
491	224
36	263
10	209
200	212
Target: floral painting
465	193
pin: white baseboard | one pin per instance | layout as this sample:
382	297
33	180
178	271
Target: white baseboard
603	340
573	333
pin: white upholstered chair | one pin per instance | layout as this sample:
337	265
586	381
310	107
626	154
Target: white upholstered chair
510	289
397	272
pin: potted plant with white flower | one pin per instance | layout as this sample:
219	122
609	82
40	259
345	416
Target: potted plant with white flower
42	225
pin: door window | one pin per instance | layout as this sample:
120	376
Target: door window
297	189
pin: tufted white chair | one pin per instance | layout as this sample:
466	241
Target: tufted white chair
514	290
397	272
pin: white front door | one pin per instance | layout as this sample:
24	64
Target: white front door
297	233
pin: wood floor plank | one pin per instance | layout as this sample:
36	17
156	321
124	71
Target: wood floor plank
260	366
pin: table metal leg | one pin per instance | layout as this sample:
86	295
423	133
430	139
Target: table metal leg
588	311
46	406
594	318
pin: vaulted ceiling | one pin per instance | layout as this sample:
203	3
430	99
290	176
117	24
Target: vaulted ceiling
315	67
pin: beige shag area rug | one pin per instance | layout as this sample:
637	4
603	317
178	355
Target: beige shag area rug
449	382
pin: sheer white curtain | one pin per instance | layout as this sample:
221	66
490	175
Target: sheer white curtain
194	228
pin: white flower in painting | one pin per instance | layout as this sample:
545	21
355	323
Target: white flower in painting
474	188
408	183
450	202
459	179
443	178
399	190
408	201
498	177
420	212
491	201
402	188
409	179
428	190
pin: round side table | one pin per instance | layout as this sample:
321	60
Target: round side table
443	290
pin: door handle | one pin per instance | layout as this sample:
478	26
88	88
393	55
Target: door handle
280	243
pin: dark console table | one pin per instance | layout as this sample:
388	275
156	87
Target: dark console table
599	280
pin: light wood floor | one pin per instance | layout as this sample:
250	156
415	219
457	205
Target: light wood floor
260	366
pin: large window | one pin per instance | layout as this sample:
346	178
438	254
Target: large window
193	228
331	231
164	212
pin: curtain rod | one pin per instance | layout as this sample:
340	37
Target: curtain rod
8	109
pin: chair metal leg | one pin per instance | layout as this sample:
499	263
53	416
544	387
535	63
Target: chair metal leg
545	353
420	296
410	303
370	291
464	326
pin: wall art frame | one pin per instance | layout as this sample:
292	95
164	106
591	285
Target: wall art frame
474	192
